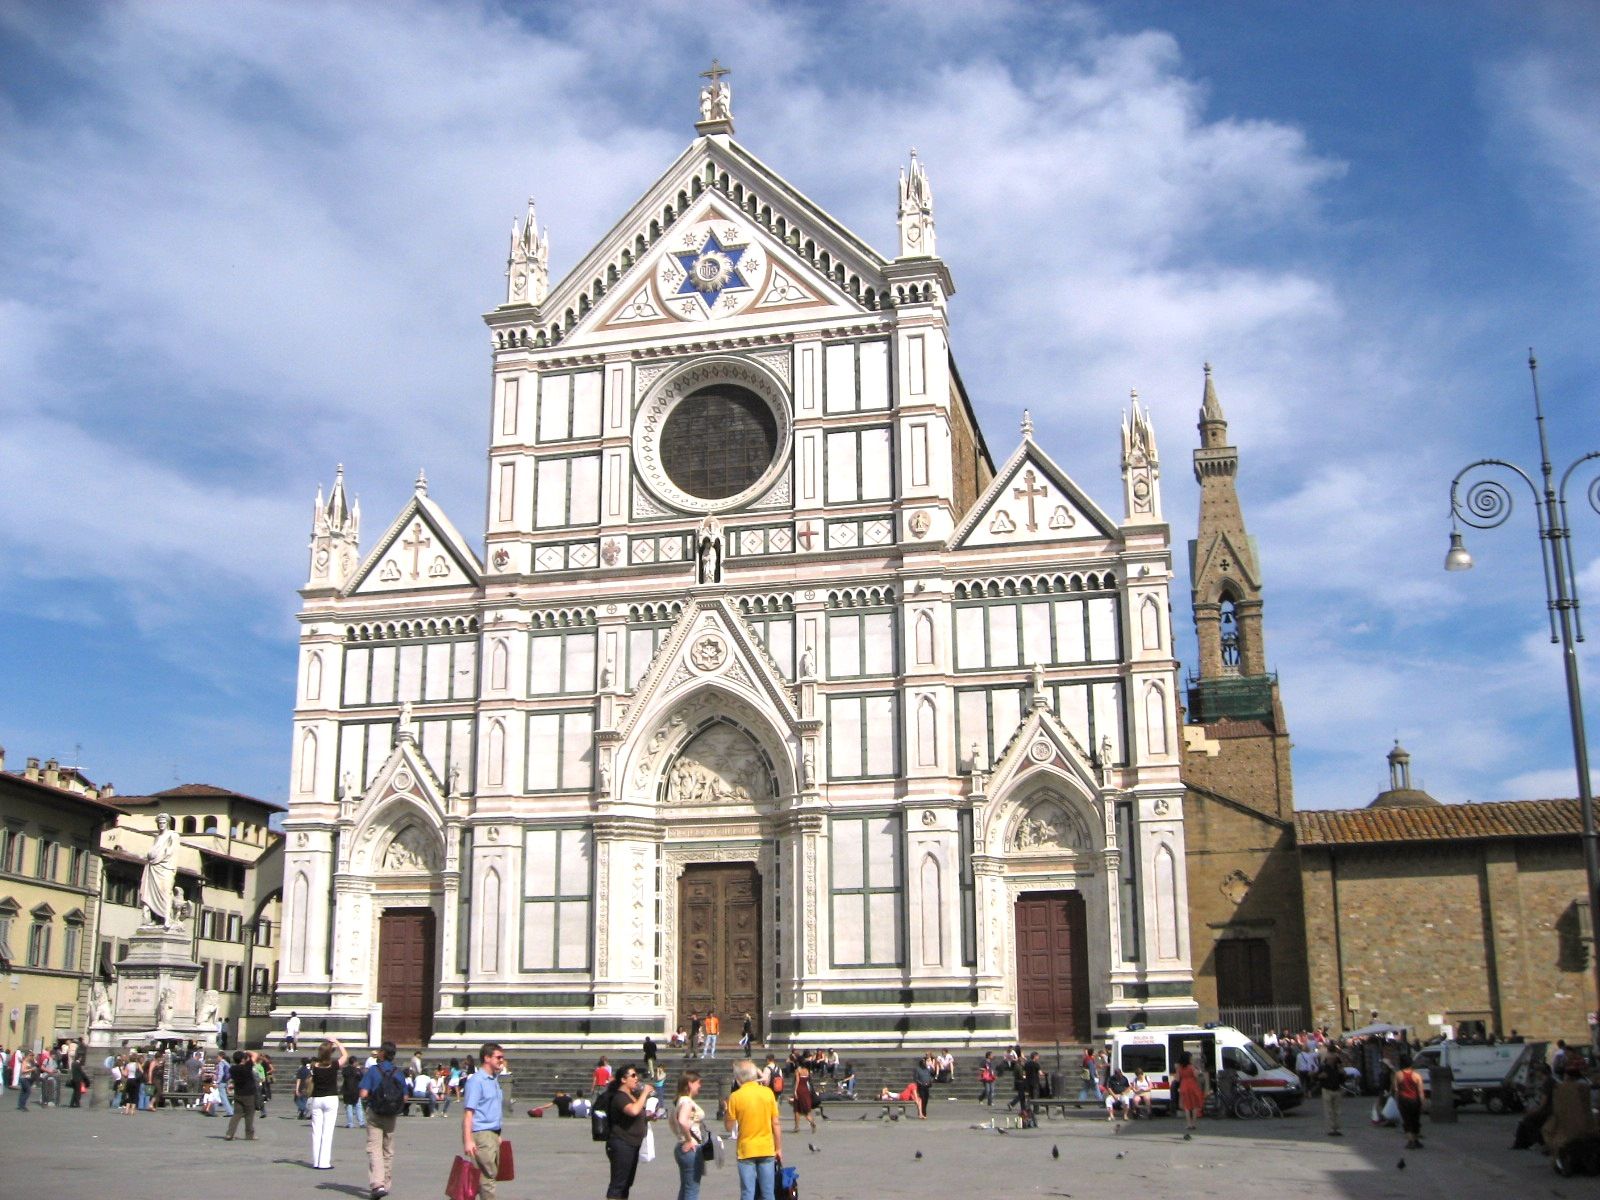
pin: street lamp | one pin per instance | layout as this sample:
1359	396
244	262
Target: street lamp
1486	504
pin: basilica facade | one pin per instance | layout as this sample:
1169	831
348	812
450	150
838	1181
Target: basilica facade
769	689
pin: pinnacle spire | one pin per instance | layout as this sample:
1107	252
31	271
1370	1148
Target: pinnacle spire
1210	406
1027	424
338	508
422	481
916	211
528	265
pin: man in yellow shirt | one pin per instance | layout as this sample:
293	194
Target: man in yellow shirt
753	1110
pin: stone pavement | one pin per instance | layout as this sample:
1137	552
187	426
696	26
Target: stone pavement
90	1154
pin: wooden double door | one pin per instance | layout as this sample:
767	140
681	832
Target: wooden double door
1052	967
407	975
719	947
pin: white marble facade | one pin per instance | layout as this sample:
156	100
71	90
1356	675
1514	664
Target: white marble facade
907	683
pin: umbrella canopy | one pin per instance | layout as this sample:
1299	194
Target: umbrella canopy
1374	1029
161	1035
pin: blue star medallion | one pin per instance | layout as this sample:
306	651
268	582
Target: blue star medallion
711	270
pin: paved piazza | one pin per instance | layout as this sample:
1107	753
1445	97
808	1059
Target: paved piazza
92	1153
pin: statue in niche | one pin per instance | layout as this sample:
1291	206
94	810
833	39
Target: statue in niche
165	1006
408	852
721	766
808	664
708	543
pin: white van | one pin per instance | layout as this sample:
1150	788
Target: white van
1155	1051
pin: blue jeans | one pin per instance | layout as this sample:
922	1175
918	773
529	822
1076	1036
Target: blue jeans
144	1096
709	1050
25	1085
691	1169
756	1177
355	1116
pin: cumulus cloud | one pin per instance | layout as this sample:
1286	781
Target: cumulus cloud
238	251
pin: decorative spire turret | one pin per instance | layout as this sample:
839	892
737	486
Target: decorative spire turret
916	212
422	481
335	536
1141	466
528	265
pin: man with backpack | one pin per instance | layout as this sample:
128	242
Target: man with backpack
383	1088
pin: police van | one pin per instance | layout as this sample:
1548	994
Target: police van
1216	1048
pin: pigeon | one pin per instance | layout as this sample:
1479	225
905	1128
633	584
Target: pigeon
1055	1151
812	1148
919	1154
1119	1156
1401	1165
1186	1137
863	1116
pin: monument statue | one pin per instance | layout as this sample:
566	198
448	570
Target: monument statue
99	1004
160	872
208	1009
164	1007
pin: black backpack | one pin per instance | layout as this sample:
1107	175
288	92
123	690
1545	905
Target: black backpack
389	1099
599	1117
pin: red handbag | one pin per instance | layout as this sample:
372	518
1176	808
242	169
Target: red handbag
464	1179
508	1164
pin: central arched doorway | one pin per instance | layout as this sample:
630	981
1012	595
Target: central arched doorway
1052	967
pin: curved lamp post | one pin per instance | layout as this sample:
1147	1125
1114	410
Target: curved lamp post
1487	503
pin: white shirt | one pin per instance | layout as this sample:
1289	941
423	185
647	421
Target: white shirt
292	1027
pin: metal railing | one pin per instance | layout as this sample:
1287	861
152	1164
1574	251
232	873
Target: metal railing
1255	1019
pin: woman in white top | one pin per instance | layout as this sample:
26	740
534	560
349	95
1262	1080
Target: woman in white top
689	1134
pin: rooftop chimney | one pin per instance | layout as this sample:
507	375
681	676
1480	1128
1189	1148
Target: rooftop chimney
33	769
52	772
107	790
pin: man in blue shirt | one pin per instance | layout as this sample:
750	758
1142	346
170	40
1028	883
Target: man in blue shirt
380	1125
480	1116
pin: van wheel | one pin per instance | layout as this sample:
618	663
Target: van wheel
1476	1096
1496	1103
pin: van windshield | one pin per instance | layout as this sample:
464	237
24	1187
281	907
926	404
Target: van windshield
1261	1058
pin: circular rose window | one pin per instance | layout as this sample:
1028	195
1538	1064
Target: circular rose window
718	441
713	435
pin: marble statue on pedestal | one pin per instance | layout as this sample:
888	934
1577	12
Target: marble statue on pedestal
160	873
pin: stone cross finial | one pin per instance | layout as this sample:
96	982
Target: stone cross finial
716	98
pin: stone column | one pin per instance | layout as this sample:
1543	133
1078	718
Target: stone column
626	875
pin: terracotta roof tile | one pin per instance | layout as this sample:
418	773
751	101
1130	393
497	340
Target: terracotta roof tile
1440	823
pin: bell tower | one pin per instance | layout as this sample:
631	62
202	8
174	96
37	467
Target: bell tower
1226	584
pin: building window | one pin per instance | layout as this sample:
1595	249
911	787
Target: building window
992	635
235	927
187	825
1244	972
263	932
224	874
121	885
39	941
566	491
8	916
859	465
866	892
71	940
80	867
555	900
260	981
560	751
16	844
231	975
49	859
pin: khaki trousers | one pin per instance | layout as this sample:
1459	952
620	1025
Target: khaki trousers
1332	1098
486	1144
380	1150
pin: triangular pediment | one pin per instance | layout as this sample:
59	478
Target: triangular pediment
794	258
1223	558
711	645
1042	744
1031	500
405	778
420	550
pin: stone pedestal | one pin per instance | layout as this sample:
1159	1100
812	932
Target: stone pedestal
158	985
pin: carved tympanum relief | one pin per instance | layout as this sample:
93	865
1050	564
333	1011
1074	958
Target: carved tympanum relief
720	766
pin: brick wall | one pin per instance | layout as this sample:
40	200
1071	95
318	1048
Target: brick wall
1415	931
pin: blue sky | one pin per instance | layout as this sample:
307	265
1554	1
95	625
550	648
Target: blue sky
240	243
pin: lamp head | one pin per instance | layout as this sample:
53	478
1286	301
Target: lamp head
1457	559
